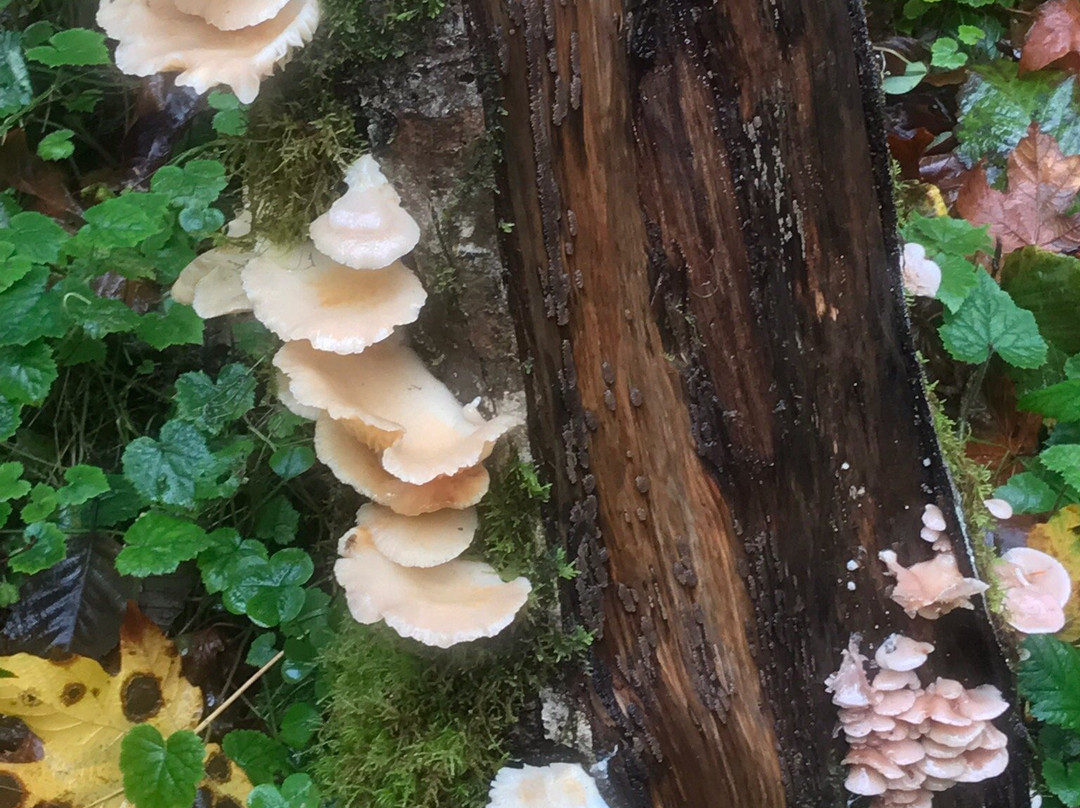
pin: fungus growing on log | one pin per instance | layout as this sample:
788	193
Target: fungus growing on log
211	282
303	295
560	785
357	465
392	403
922	277
451	603
418	541
906	742
932	588
366	228
1037	587
208	42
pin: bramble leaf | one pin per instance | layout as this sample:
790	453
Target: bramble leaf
161	772
989	321
1047	679
1065	460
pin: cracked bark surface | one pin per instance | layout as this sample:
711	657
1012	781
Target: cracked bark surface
722	386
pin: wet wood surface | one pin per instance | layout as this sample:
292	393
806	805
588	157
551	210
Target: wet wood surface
722	386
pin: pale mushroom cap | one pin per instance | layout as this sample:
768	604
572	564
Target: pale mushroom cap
982	764
220	292
1041	570
864	781
922	277
849	684
900	653
285	396
154	36
560	785
887	680
418	541
303	295
358	466
440	606
228	15
366	228
933	518
999	508
424	431
931	588
1037	587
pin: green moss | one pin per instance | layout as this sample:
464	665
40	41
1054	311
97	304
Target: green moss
412	726
291	166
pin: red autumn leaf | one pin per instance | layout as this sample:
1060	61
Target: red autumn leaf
1042	185
1054	37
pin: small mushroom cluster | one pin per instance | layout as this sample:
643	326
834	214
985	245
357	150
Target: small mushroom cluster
384	424
559	785
906	741
208	42
936	587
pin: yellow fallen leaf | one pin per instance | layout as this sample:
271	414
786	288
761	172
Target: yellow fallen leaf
1060	537
81	712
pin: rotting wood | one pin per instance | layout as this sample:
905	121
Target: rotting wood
722	386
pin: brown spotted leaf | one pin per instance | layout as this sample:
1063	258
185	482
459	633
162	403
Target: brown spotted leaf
80	712
1042	184
1054	37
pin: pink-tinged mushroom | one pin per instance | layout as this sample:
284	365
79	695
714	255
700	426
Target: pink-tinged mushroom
229	15
933	518
285	396
366	228
455	602
560	785
418	541
302	294
900	653
155	36
999	508
865	781
391	402
211	282
1037	587
358	466
849	685
931	588
922	277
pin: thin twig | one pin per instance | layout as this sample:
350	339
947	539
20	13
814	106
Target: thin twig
239	692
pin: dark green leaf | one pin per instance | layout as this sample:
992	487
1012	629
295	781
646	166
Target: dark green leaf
277	521
1047	679
27	372
260	756
180	325
1048	285
1028	493
76	46
157	543
989	321
1063	780
11	486
1065	460
15	89
212	405
160	772
45	547
292	461
226	550
168	470
83	484
56	145
299	724
126	220
1060	401
28	312
36	237
198	183
261	650
42	504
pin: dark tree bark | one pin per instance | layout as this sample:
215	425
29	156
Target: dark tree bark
722	384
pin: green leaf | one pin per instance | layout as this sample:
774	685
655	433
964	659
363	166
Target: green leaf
15	89
27	372
28	312
1028	493
300	660
261	650
914	73
269	591
298	791
12	267
958	279
83	484
180	325
36	237
200	220
945	53
212	405
42	504
120	504
1060	401
1048	285
1065	460
168	470
125	221
197	183
10	418
970	34
231	117
1071	367
277	521
157	543
11	487
77	46
1063	780
299	724
226	551
292	461
160	772
46	547
260	756
1047	679
944	234
56	145
989	321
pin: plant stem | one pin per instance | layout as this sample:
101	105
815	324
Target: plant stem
239	692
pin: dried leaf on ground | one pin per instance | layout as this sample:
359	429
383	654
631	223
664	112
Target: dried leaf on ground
1042	184
80	713
1053	37
1060	537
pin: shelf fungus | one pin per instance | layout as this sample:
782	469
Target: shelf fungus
444	605
560	785
208	42
907	742
358	466
366	228
303	295
1037	587
417	541
211	282
392	403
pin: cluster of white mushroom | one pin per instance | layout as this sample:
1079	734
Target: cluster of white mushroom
922	276
384	424
208	42
559	785
906	741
